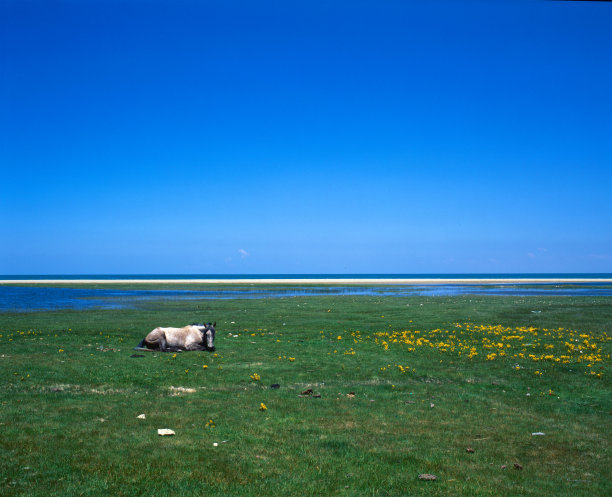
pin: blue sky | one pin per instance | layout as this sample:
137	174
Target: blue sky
305	137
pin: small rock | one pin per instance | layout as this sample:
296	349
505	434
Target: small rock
538	434
427	477
215	444
141	416
275	386
165	432
431	405
517	466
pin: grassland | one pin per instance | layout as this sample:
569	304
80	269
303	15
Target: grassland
406	386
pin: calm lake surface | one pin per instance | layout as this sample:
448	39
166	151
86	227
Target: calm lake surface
366	276
37	298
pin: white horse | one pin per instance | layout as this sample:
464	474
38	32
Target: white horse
193	337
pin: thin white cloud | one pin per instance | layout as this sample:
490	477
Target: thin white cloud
243	253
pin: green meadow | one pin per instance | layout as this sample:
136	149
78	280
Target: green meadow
372	392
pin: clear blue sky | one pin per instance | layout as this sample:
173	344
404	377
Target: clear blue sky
305	137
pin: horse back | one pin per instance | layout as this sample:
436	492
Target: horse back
182	337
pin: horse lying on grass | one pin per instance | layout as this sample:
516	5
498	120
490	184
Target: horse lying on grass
196	336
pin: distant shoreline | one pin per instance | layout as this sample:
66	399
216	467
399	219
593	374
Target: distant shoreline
316	281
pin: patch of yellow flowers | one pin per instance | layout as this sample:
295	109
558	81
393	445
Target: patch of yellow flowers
495	342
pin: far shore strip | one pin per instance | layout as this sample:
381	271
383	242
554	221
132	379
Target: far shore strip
325	281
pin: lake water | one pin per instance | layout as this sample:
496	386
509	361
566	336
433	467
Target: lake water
34	298
432	276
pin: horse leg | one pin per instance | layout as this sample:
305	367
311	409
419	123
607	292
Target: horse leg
163	345
196	346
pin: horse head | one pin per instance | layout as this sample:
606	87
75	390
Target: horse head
208	335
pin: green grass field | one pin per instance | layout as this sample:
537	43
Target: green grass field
406	386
